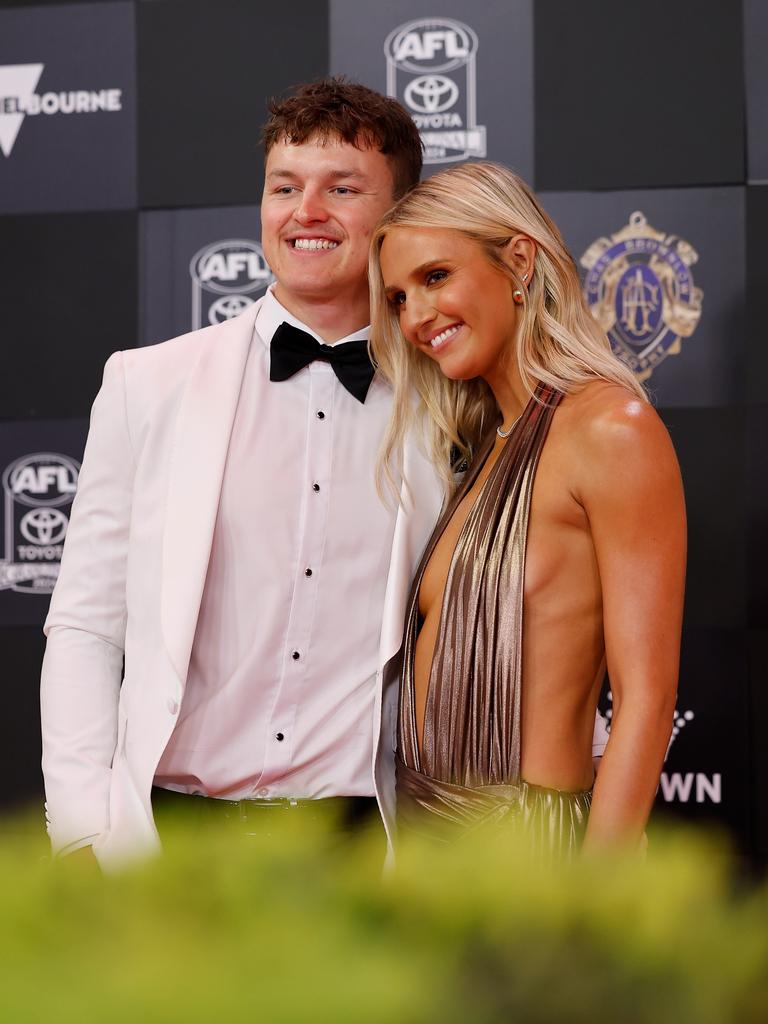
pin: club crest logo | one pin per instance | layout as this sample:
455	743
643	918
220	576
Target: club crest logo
227	277
431	70
37	494
640	289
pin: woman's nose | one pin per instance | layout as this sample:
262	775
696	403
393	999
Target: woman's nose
416	316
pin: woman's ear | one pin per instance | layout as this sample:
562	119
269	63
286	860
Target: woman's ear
519	253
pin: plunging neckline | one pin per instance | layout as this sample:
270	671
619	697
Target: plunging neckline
467	772
469	522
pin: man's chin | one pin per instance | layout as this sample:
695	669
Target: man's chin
300	291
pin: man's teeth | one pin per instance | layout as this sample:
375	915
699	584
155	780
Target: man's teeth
445	335
314	243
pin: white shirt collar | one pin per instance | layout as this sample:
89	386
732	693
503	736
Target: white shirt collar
271	314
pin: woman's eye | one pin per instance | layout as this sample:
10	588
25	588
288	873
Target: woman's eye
434	276
398	299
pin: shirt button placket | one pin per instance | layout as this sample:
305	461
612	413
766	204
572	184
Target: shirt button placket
319	436
320	414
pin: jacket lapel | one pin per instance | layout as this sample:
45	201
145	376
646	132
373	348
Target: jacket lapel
420	503
203	429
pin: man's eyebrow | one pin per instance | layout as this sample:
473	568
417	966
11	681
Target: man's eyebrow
333	175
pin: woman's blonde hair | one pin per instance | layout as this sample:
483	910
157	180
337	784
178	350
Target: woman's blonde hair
558	343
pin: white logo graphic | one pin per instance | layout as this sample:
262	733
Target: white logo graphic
442	43
36	490
228	307
679	786
232	270
17	86
431	69
19	99
44	526
431	94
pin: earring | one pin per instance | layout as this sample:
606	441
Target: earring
525	277
517	296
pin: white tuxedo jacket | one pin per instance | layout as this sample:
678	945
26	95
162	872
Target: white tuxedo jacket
124	611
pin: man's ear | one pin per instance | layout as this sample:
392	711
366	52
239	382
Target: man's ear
519	253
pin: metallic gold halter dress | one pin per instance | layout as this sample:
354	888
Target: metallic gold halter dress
467	775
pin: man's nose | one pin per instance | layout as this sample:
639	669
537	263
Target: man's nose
312	207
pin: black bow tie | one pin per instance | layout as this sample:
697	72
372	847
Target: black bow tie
292	349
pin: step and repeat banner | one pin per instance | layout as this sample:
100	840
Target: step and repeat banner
130	181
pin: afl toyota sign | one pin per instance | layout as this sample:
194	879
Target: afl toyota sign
227	277
431	70
39	474
37	494
198	268
464	72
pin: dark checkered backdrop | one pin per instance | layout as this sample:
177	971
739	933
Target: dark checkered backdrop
130	177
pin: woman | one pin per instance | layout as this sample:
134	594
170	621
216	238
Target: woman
562	550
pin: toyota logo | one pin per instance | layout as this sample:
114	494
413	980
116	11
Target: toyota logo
431	94
44	526
228	307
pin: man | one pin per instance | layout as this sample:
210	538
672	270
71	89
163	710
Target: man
227	539
227	544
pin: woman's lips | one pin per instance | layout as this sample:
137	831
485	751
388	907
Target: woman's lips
441	339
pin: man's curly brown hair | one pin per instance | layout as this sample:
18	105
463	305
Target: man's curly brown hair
335	108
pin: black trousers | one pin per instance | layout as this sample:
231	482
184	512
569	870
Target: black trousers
342	816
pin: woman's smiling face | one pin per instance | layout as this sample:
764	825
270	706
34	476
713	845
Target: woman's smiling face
452	303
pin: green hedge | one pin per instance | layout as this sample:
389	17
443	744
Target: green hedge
302	928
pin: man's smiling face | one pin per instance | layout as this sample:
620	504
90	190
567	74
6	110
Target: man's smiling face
322	200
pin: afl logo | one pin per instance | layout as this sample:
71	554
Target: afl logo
431	70
431	44
226	278
640	289
42	480
37	492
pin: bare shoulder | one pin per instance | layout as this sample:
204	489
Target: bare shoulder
617	438
606	417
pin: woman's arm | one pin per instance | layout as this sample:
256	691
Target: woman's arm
628	481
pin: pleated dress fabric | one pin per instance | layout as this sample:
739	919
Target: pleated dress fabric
467	775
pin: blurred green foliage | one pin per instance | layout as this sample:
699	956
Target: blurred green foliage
302	927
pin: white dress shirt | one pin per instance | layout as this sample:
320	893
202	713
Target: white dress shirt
281	685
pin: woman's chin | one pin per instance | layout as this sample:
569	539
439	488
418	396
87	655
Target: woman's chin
456	371
454	367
